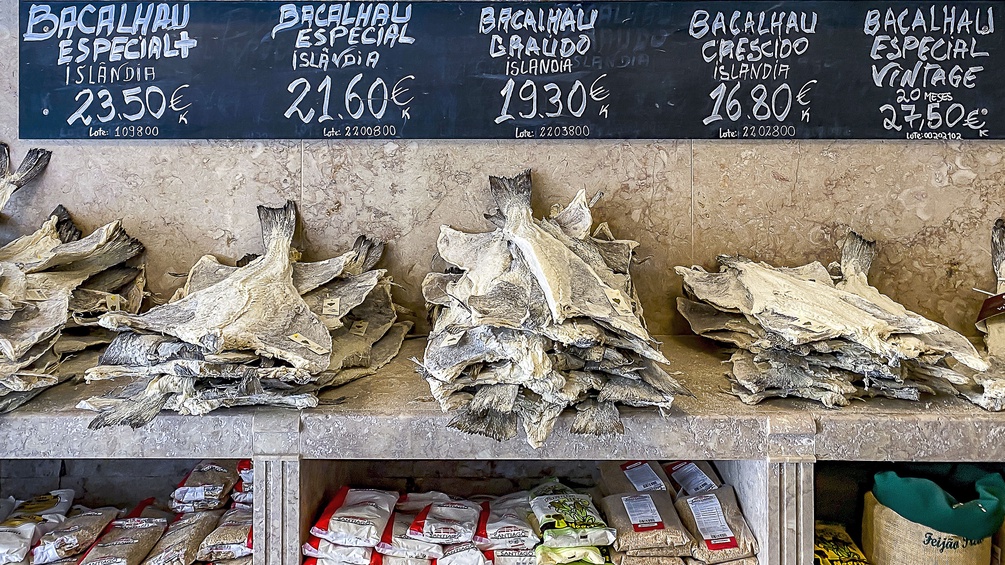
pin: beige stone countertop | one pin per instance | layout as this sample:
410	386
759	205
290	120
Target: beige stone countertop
51	427
392	416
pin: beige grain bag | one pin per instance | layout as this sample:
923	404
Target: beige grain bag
720	532
646	520
127	542
890	539
691	477
180	544
231	538
744	561
619	558
73	536
631	476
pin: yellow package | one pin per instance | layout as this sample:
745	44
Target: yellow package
833	546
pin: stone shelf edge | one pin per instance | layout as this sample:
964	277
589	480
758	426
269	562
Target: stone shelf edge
392	416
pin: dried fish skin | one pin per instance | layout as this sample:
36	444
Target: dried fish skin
34	246
334	300
35	322
33	164
129	348
256	307
598	419
633	393
538	417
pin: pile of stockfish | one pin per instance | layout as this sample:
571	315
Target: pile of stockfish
988	391
272	331
53	285
803	332
535	316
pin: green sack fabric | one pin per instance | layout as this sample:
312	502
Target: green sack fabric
924	502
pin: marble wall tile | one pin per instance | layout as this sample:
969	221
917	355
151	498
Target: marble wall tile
930	207
403	191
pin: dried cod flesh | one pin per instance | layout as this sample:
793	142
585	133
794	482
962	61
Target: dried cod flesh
537	316
273	331
799	333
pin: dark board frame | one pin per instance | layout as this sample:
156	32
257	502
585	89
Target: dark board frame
473	70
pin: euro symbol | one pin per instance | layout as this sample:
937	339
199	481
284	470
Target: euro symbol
599	92
176	97
399	90
805	91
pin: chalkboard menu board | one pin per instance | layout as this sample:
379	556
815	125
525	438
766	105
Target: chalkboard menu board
259	69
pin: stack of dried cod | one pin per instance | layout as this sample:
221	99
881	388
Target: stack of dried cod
272	331
536	316
989	389
801	332
53	285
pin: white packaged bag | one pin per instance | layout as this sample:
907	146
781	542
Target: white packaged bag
449	522
397	543
356	517
505	523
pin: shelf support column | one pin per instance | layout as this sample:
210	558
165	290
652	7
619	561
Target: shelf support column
790	487
277	487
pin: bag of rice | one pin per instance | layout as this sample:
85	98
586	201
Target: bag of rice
126	542
206	487
631	476
74	535
15	541
449	522
511	556
395	542
413	503
567	519
505	523
619	558
646	520
462	554
57	502
558	555
328	551
246	471
180	544
691	477
243	492
231	538
356	517
717	525
246	560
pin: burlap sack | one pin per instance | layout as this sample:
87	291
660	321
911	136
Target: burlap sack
889	539
721	549
668	534
631	476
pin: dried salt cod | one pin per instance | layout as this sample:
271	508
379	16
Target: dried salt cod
989	392
43	276
236	350
537	316
33	164
800	333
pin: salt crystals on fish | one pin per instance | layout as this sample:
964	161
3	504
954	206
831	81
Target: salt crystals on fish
273	331
537	316
801	332
54	283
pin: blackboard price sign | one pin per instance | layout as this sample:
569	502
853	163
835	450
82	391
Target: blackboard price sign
511	70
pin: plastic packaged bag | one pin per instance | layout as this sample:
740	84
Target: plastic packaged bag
462	554
511	556
126	542
395	542
180	544
356	517
567	519
231	538
74	535
246	471
206	487
691	477
327	551
243	492
715	521
558	555
449	522
647	520
505	523
833	546
631	476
